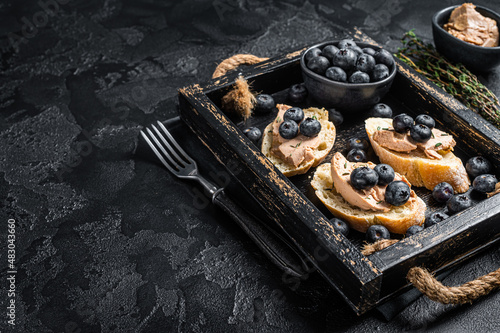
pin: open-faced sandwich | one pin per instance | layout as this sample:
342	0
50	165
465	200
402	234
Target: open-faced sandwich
298	139
365	194
417	150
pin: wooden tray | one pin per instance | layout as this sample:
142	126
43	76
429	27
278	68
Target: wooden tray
290	204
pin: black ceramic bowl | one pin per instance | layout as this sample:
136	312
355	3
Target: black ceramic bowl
351	97
475	58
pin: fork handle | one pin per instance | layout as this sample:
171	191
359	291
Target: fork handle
275	247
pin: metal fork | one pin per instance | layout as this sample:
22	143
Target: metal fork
177	161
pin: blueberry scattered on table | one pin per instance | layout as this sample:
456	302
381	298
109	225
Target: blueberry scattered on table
484	183
381	110
288	129
385	172
442	192
377	232
357	143
478	165
335	73
458	203
363	178
335	116
253	133
296	114
340	225
356	155
402	123
397	193
420	133
310	127
425	120
435	218
297	93
265	104
414	229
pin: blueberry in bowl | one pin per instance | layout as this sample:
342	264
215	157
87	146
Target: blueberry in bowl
353	79
474	57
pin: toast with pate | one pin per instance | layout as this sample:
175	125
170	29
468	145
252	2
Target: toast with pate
363	208
424	166
298	155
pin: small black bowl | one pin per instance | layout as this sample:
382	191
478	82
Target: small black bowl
475	58
351	97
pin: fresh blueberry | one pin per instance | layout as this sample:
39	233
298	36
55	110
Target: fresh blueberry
346	43
365	63
359	77
288	129
369	50
381	110
414	229
385	172
356	155
363	178
402	123
253	133
345	59
296	114
384	57
340	225
478	165
435	218
397	193
377	232
265	104
297	93
329	51
310	127
380	72
442	192
336	74
356	49
357	143
318	64
314	52
335	116
420	133
425	120
484	183
457	203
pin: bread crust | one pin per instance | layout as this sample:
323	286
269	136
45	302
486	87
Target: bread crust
327	134
420	170
397	220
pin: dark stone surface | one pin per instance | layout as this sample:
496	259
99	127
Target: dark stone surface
107	241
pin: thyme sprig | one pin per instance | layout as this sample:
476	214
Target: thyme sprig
455	79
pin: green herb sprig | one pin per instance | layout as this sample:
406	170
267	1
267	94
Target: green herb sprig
455	79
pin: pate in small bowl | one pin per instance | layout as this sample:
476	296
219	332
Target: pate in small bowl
470	36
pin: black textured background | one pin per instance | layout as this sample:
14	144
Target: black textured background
107	241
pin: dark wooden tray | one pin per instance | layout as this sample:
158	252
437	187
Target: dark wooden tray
290	204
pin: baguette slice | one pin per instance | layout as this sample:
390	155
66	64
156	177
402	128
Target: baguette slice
327	136
420	170
397	220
